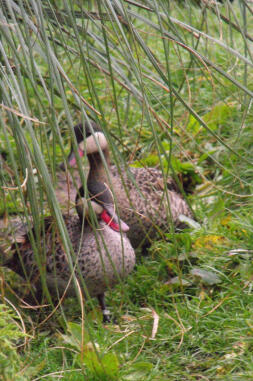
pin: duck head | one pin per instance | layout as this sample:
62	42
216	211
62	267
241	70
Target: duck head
89	137
102	204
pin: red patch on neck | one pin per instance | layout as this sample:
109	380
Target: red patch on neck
109	221
72	162
81	153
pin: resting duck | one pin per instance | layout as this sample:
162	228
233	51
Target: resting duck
141	197
104	255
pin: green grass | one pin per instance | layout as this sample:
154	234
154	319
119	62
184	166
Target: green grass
185	313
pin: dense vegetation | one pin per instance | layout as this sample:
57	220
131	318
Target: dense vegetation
171	85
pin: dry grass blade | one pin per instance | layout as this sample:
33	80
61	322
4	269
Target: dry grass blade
21	186
35	120
121	339
155	324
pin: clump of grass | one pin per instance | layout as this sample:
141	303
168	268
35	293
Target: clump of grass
167	95
12	336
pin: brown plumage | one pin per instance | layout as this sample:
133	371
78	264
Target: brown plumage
103	256
97	278
141	197
149	207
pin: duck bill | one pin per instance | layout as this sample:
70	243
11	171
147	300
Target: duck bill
111	219
72	158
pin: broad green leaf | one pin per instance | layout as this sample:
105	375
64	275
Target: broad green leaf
101	365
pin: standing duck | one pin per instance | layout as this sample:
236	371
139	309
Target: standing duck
140	194
103	255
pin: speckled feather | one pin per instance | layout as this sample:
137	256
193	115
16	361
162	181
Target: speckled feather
102	257
144	206
148	206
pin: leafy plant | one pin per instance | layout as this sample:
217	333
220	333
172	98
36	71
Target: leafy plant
88	356
12	367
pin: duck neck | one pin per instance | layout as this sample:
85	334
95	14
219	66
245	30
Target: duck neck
97	170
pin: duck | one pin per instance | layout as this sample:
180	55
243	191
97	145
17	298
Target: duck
147	203
103	254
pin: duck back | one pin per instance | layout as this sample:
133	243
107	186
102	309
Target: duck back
147	205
